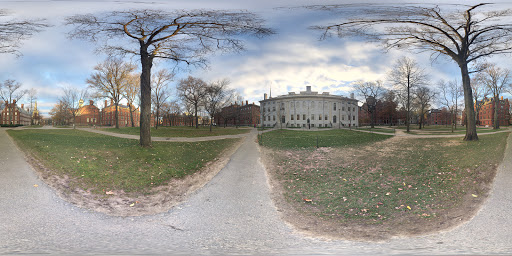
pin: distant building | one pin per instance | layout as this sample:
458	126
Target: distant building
87	114
108	115
486	113
439	117
36	118
14	115
239	115
309	109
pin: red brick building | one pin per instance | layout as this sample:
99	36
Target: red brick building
243	115
108	115
88	115
177	120
12	114
439	117
486	113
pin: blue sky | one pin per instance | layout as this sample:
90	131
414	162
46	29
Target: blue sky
286	61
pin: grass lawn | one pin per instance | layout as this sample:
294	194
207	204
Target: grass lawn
284	139
181	131
395	183
100	163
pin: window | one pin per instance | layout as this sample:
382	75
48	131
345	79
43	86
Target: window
326	118
342	117
320	125
291	117
304	117
274	118
319	117
298	117
334	104
312	117
354	118
88	120
342	108
283	119
334	118
312	125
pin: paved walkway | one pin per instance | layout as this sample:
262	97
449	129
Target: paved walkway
169	139
232	214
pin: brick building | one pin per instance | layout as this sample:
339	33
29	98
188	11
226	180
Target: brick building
87	114
486	113
108	115
439	117
243	115
14	115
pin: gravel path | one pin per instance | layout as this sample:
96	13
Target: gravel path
233	214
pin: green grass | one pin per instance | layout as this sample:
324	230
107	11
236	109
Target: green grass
286	139
181	131
410	178
101	163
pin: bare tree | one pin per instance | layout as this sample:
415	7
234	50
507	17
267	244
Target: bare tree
193	91
11	92
371	91
480	91
405	76
181	36
131	93
71	100
110	79
217	97
423	99
14	31
32	97
60	113
450	95
160	82
465	35
497	81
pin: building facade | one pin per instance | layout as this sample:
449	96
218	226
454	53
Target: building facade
239	115
486	113
87	114
309	109
14	115
108	116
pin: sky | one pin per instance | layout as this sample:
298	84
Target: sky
290	60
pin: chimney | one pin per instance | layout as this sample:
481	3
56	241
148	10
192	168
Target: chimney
264	96
501	97
111	102
105	103
22	106
308	88
247	102
91	102
14	102
352	95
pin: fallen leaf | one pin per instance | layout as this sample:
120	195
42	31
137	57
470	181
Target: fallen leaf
408	207
307	200
109	192
474	195
131	205
35	185
400	189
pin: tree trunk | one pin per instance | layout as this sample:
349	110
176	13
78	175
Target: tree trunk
157	117
468	101
496	124
117	114
145	99
131	114
197	119
408	114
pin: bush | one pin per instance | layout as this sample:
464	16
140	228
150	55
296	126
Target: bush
10	125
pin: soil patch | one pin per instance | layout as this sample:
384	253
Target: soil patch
362	222
119	203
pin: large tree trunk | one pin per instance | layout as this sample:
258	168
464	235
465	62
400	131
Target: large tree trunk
468	101
145	99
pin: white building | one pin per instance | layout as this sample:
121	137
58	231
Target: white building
309	110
